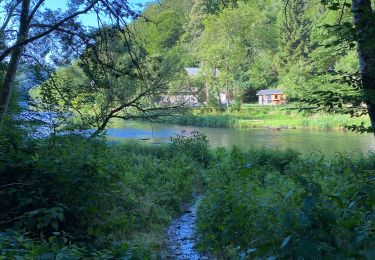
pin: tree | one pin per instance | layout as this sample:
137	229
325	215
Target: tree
232	42
361	34
199	11
26	22
293	60
113	78
160	28
364	21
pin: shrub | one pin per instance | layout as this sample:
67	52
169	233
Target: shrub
194	144
305	207
88	197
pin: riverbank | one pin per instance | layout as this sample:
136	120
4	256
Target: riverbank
73	198
272	117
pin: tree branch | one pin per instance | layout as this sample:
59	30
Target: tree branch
10	14
7	51
35	9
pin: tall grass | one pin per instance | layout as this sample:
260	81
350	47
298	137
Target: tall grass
274	204
266	116
72	198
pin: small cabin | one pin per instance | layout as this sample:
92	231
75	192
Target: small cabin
271	97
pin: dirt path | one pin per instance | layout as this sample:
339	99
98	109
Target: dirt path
182	235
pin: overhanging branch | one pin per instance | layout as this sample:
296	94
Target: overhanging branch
7	51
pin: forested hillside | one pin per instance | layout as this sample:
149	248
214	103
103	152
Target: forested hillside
306	49
255	44
300	48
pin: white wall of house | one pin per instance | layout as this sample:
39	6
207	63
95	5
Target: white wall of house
178	99
223	98
265	99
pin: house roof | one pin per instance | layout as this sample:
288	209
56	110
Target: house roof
195	72
269	92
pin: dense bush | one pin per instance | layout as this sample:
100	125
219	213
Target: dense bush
70	198
193	144
275	204
87	198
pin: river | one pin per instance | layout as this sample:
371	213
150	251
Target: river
328	142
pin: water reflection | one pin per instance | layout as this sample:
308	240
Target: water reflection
303	140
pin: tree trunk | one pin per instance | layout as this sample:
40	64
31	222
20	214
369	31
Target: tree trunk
207	93
365	32
7	86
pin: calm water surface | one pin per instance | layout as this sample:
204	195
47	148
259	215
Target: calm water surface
327	142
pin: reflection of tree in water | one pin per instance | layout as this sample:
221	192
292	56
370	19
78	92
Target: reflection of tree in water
328	142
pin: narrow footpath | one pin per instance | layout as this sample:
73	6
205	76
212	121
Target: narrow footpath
182	236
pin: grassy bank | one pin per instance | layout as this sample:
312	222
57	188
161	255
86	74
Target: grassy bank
254	116
72	198
269	204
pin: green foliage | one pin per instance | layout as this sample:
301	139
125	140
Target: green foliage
242	46
116	77
199	11
254	116
67	197
277	204
302	47
72	196
306	48
194	144
161	28
235	40
14	245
